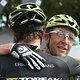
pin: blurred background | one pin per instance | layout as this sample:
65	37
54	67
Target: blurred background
50	7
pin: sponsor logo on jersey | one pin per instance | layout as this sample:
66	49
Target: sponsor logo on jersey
49	65
31	78
17	64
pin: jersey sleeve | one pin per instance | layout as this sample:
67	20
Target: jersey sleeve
73	65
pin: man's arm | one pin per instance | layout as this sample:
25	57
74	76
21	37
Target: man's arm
72	64
5	48
25	53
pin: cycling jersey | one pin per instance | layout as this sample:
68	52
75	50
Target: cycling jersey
57	68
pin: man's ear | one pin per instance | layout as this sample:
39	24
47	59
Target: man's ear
43	30
46	37
43	33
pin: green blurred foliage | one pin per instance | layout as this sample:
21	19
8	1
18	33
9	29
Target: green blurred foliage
77	41
53	7
9	8
70	7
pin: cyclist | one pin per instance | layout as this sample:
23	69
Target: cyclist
27	22
60	35
53	70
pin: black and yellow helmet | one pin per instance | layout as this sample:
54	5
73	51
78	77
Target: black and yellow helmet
64	21
25	13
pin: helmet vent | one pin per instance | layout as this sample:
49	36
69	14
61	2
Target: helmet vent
50	20
61	21
56	17
71	23
27	6
77	27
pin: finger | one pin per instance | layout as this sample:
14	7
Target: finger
41	64
38	61
31	62
35	64
28	63
38	56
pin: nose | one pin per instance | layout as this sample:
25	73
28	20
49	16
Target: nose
66	37
65	40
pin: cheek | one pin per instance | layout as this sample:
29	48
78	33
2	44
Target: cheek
53	43
68	51
54	40
69	48
53	46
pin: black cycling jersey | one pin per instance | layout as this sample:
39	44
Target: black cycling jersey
57	68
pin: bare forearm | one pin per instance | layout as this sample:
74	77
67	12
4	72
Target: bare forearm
5	48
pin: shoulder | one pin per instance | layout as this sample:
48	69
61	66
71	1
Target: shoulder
7	59
59	61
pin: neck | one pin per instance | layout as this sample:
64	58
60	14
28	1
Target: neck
35	42
46	50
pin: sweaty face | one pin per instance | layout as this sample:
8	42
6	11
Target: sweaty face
61	41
